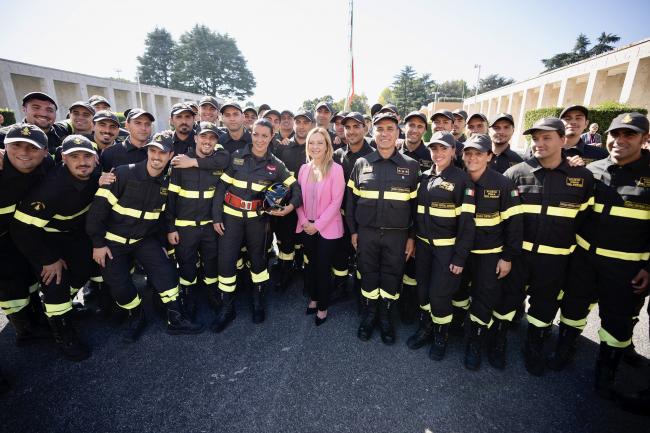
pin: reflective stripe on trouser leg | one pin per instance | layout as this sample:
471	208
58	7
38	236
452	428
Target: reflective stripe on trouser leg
14	305
57	309
544	286
486	289
230	253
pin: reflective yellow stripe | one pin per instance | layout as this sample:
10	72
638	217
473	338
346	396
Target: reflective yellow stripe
426	241
286	256
289	181
488	251
367	194
107	194
228	288
582	242
505	317
30	220
633	257
97	279
578	324
350	184
226	178
188	194
340	273
385	295
228	280
561	212
475	319
536	322
241	184
370	295
511	211
209	280
399	196
442	320
466	207
184	282
545	249
409	281
173	187
531	208
560	295
588	203
52	230
69	217
444	242
134	303
625	212
169	295
426	308
14	305
357	275
461	304
187	223
113	237
609	339
487	222
57	309
444	213
7	209
234	212
261	277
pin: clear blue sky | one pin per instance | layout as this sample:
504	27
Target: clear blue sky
298	50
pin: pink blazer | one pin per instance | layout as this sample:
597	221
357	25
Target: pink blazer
330	195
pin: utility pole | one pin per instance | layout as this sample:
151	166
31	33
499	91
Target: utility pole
478	80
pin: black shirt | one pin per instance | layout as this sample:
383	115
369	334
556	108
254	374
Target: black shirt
505	160
231	144
121	154
587	152
421	154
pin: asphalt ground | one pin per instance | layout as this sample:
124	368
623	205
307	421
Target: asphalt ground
287	375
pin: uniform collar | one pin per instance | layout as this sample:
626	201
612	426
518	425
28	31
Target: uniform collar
128	146
535	165
246	137
396	157
247	150
78	184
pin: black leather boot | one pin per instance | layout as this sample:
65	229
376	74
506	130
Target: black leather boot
423	335
474	346
385	322
226	314
134	325
608	359
457	326
565	348
497	342
258	303
188	301
178	321
26	330
534	350
339	290
368	319
439	344
66	338
283	276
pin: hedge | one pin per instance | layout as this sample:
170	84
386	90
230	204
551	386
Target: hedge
602	114
120	116
10	117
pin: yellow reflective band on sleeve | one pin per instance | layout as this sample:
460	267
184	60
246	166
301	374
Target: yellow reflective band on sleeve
289	181
409	281
464	304
131	305
7	209
73	291
30	220
426	308
350	184
385	295
98	279
256	186
226	178
52	310
398	196
169	295
444	213
188	194
184	282
14	305
261	277
420	209
187	223
475	319
426	241
127	211
305	259
536	322
609	339
560	295
588	203
374	294
107	194
582	242
116	238
505	317
172	187
511	211
441	320
561	212
367	194
286	256
545	249
69	217
357	275
578	324
414	193
466	207
488	251
340	272
487	222
228	280
598	207
242	184
625	212
531	208
632	257
444	242
209	280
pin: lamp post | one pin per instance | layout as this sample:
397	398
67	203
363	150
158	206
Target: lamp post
478	80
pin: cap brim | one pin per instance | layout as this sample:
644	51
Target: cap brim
26	140
624	126
346	119
474	146
208	103
539	128
303	116
189	110
444	143
501	118
159	146
107	118
40	96
434	115
323	106
223	108
92	110
583	110
415	116
135	116
78	149
203	131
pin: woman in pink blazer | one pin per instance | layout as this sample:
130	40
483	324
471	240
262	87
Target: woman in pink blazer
319	218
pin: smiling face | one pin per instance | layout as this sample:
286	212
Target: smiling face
81	119
275	120
386	133
575	123
301	127
501	132
323	117
106	132
40	113
24	156
415	129
286	121
261	136
354	132
458	126
626	145
205	144
139	130
317	147
442	123
249	118
547	144
475	160
477	125
441	155
80	164
157	159
208	113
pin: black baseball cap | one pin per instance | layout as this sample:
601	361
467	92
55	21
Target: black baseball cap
289	112
231	104
442	137
82	104
502	116
96	99
193	106
163	140
375	109
208	127
446	113
306	114
354	115
75	143
264	107
106	115
339	115
325	105
479	115
461	113
27	132
250	109
581	108
134	113
634	121
388	107
546	124
269	112
209	100
480	142
40	96
417	114
387	115
181	107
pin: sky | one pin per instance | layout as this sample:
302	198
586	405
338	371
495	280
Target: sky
298	50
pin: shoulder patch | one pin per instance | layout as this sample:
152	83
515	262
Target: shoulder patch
238	161
577	182
403	171
447	186
469	192
491	193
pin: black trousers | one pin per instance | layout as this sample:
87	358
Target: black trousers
195	242
160	271
345	254
479	280
380	257
253	230
436	283
17	279
608	280
285	235
320	254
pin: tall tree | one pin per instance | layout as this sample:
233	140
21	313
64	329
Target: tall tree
493	81
410	91
604	43
157	62
359	104
210	63
386	96
581	51
581	46
310	104
453	89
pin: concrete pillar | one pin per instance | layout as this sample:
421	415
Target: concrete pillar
133	100
591	84
83	91
51	90
499	98
10	94
560	97
489	108
510	98
519	120
110	95
540	98
626	90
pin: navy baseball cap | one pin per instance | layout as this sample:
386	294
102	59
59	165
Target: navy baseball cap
417	114
134	113
634	121
163	140
442	137
446	113
40	96
546	124
77	143
106	115
306	114
231	104
27	132
354	115
502	116
208	127
480	142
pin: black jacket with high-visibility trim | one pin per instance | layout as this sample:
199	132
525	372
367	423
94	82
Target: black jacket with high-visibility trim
231	144
248	176
58	204
554	204
445	211
498	219
182	147
619	226
191	191
505	160
130	207
292	154
15	186
421	154
381	192
123	153
587	152
346	158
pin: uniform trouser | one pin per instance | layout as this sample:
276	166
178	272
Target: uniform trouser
77	253
345	252
253	231
590	277
479	279
17	279
285	234
149	253
320	254
544	274
195	241
409	280
381	261
436	283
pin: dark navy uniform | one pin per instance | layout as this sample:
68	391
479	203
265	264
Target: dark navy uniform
505	160
121	154
232	145
587	152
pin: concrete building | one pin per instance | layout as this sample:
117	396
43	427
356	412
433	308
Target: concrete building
67	87
622	75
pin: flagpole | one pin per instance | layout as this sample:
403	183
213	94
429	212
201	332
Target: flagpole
348	100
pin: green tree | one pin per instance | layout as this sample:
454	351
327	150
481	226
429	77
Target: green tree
493	81
359	104
211	64
310	104
386	96
156	64
581	51
410	91
453	89
581	46
604	43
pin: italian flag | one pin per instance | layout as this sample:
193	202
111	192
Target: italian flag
469	192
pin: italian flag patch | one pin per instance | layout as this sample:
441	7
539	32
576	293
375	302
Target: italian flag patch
514	193
469	192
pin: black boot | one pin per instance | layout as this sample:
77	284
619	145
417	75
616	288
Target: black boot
26	330
534	350
439	344
178	322
519	314
258	303
226	314
457	327
214	298
385	323
134	325
66	338
339	292
36	311
474	346
565	348
408	304
606	366
497	341
188	302
90	292
368	319
283	276
423	335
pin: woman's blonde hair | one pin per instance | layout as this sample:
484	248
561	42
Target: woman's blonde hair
325	166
